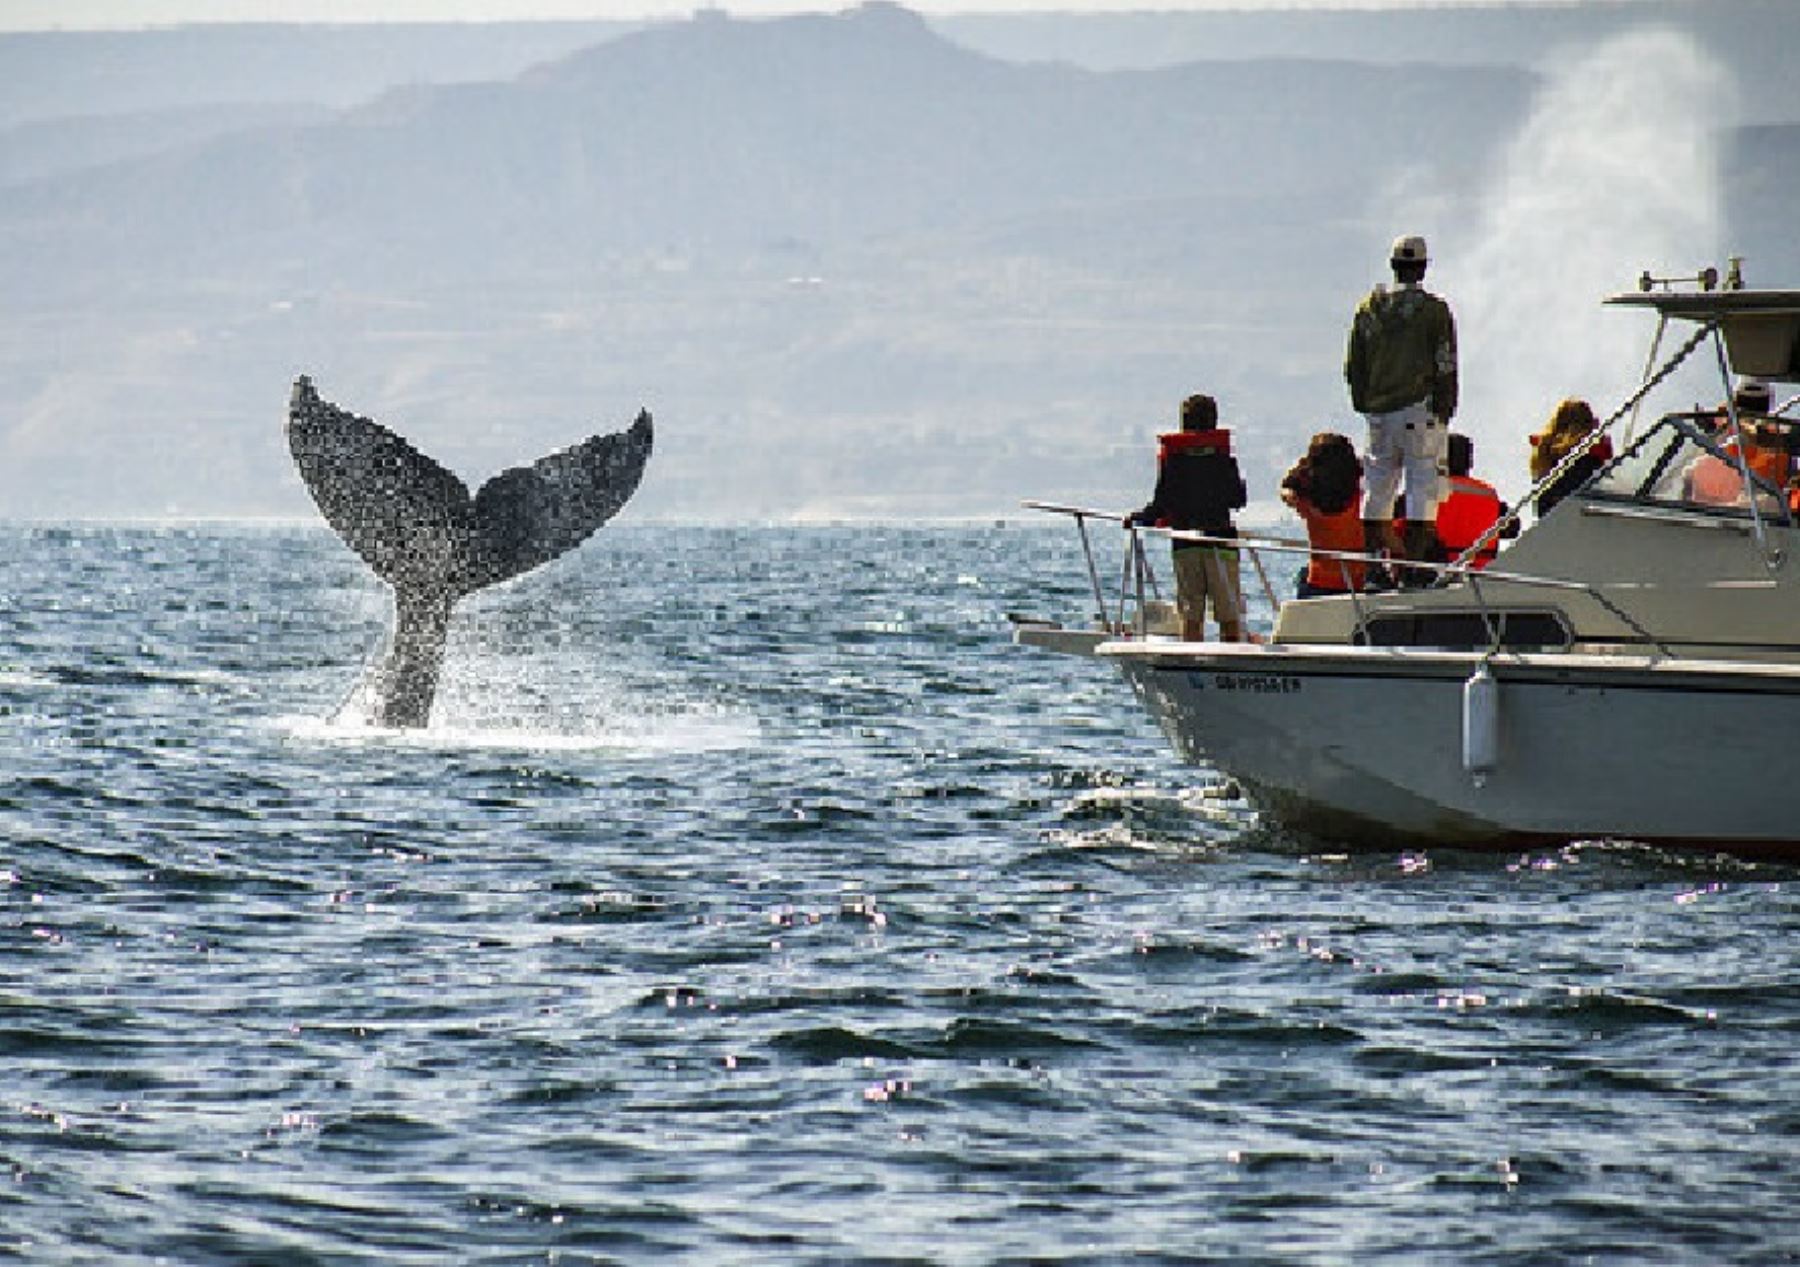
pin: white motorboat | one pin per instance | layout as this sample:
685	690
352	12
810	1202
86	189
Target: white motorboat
1628	668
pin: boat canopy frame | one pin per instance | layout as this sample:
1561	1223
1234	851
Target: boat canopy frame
1754	333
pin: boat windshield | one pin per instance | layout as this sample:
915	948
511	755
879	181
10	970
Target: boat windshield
1689	460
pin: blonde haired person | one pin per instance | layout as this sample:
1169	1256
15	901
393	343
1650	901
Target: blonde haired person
1572	423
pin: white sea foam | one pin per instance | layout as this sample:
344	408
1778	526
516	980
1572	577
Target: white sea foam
660	731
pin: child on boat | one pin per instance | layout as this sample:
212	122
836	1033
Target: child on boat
1198	485
1325	489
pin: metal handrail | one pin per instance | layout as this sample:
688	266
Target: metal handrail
1081	517
1131	588
1455	570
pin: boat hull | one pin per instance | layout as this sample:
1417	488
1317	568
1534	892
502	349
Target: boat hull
1367	745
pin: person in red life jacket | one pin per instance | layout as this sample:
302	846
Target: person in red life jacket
1470	506
1325	489
1197	487
1712	480
1571	424
1765	441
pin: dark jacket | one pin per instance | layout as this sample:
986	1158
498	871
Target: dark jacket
1585	468
1402	350
1196	489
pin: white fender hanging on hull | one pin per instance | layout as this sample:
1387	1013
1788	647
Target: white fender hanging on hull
1481	724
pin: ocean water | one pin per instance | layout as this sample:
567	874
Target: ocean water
751	899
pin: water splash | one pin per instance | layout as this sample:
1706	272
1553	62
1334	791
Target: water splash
1616	170
548	699
637	733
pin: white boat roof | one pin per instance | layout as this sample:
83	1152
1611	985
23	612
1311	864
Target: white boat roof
1761	327
1708	305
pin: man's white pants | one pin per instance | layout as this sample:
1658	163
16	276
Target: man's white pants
1409	442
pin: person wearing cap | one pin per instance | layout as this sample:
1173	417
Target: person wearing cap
1198	485
1752	396
1401	368
1765	443
1717	479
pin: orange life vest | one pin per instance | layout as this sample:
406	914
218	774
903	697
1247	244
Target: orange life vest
1709	484
1769	463
1170	443
1470	509
1342	532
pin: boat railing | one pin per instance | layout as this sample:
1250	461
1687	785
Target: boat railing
1137	572
1131	605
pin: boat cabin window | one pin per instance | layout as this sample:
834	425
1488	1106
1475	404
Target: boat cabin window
1464	630
1689	460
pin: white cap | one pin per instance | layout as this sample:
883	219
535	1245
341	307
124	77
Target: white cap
1752	394
1408	250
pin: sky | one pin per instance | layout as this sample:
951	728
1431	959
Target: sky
33	15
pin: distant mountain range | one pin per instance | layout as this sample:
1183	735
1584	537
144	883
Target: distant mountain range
720	137
1756	38
854	266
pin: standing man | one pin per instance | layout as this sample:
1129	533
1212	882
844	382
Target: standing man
1401	367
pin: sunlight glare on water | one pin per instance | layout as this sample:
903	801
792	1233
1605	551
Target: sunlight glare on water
752	898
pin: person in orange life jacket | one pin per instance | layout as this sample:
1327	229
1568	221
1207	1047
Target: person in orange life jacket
1470	506
1197	488
1711	480
1771	443
1766	442
1571	424
1325	489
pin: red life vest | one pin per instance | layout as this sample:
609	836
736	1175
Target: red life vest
1169	443
1768	462
1470	509
1601	450
1173	444
1341	533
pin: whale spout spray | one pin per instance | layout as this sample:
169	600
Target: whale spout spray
415	525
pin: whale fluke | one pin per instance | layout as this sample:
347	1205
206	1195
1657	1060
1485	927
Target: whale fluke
415	525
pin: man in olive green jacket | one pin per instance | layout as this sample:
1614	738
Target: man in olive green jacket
1401	367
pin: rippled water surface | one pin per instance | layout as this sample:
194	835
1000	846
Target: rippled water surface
752	899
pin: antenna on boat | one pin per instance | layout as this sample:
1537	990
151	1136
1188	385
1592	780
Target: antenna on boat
1707	279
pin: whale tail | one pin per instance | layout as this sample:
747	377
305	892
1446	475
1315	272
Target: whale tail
416	526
